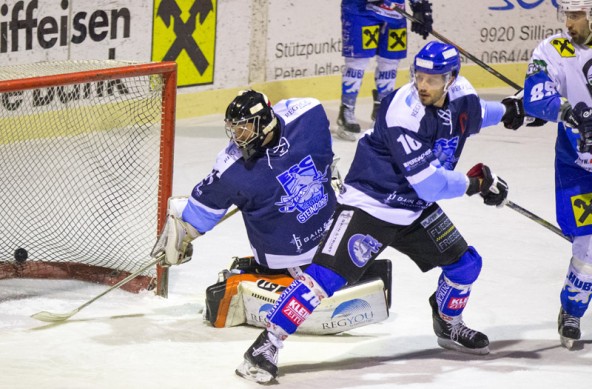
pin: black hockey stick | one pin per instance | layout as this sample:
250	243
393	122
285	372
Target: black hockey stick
537	219
464	52
52	317
528	120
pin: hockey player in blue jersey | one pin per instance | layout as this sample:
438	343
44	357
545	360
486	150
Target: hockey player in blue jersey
558	89
401	168
372	28
276	170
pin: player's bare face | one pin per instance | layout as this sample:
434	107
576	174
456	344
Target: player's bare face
430	88
577	26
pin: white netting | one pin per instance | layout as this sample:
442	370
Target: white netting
80	173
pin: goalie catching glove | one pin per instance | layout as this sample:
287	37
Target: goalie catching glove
492	188
176	236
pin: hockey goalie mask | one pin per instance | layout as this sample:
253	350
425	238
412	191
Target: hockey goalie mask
436	58
249	119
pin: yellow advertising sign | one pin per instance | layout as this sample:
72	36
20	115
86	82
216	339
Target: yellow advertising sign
582	209
184	31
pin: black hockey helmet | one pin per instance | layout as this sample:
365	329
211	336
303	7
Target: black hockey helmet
249	119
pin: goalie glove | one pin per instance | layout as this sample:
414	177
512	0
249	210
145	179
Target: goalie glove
175	239
492	188
422	11
514	116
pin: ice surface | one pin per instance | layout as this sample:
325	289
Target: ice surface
143	341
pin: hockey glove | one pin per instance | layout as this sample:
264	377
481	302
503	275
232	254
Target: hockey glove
422	11
492	188
175	241
514	116
583	115
534	122
567	115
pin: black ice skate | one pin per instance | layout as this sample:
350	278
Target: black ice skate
261	359
376	104
457	336
569	329
347	124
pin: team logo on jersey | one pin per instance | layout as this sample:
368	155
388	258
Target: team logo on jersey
361	247
536	66
397	39
444	150
582	209
303	184
564	47
370	36
210	178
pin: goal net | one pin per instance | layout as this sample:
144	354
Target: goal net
86	156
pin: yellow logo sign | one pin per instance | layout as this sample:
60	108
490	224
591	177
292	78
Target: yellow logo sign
370	36
564	47
397	39
185	32
582	209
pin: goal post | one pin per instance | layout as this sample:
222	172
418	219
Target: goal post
86	149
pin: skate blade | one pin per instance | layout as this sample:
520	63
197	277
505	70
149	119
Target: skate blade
568	343
253	373
346	135
452	345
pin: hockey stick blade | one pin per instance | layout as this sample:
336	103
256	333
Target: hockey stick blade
52	317
536	218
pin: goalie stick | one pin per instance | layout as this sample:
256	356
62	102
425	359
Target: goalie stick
52	317
537	219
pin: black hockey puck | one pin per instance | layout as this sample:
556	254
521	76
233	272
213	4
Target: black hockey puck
21	255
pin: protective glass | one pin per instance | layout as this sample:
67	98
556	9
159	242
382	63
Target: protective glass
433	81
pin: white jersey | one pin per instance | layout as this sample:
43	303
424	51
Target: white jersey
568	67
560	69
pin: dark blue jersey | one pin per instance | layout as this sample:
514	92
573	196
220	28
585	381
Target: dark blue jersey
406	161
285	196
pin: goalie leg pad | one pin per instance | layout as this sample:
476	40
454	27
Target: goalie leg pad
224	304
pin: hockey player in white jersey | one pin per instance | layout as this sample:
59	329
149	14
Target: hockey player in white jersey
558	88
401	168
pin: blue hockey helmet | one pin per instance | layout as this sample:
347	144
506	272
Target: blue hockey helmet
437	58
249	119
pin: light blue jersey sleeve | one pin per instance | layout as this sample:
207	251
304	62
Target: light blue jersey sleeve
492	112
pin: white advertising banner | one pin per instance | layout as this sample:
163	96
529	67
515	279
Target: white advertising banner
221	44
307	40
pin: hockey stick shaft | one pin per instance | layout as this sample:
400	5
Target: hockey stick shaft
463	51
54	317
536	218
57	317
